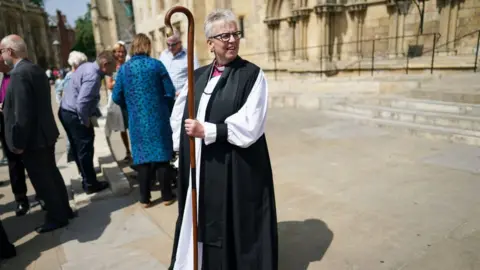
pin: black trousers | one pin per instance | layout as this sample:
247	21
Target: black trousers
16	168
81	144
6	248
48	182
145	174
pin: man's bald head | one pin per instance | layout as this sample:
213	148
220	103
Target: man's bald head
16	43
174	42
12	49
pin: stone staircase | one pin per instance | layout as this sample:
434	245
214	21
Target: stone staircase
444	108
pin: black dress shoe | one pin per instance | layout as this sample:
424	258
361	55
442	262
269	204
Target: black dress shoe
48	227
22	209
96	188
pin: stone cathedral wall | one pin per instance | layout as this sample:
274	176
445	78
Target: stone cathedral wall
30	22
295	35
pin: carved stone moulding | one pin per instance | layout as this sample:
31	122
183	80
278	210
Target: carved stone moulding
328	9
272	22
292	20
330	6
356	7
302	13
331	2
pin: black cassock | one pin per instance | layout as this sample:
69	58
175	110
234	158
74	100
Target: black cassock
237	221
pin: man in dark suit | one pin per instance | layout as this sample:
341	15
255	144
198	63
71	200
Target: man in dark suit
30	130
16	169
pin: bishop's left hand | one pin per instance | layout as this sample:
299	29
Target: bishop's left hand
194	128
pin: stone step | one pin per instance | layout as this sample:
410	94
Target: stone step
315	101
412	116
470	96
426	105
420	130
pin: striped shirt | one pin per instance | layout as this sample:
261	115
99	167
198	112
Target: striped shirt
177	67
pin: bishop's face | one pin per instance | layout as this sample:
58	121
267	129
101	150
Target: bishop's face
225	41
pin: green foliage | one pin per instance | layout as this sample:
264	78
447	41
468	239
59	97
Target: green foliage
84	40
40	3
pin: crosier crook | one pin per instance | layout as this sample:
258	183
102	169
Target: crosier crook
191	115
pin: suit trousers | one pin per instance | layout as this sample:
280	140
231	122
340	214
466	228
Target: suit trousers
81	144
16	168
48	182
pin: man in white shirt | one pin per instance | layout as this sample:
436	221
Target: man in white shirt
175	60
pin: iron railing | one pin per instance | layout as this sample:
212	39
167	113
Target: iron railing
368	54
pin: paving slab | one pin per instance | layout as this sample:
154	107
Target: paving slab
348	197
357	197
107	234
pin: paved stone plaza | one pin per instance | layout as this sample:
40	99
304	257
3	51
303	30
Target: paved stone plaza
348	197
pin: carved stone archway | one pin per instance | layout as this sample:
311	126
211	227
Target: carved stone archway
296	20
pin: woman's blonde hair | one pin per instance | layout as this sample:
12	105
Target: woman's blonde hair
119	45
141	45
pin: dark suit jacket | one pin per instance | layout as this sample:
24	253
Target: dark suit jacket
27	109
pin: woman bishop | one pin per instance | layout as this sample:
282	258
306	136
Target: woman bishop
237	223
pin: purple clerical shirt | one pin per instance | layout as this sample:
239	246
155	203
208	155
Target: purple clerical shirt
82	93
3	87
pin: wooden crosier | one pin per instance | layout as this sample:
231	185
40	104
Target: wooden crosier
191	115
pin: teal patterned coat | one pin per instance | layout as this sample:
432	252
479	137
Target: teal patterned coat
144	88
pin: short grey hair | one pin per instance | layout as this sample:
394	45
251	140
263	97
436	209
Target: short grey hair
17	44
76	58
225	15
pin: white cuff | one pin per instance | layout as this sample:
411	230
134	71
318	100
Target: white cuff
210	133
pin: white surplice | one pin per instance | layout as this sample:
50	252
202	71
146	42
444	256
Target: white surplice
244	128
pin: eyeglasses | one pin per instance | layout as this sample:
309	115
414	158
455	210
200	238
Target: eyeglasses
6	50
225	37
172	44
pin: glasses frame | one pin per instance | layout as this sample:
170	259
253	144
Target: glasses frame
236	35
6	50
172	44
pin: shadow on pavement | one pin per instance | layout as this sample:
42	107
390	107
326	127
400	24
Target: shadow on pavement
89	226
302	242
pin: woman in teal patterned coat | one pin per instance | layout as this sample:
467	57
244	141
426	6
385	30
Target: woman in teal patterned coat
144	88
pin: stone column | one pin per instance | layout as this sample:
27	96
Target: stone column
305	53
452	25
361	22
333	35
393	32
321	35
353	40
161	41
448	25
292	23
401	33
154	44
276	40
271	41
298	37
